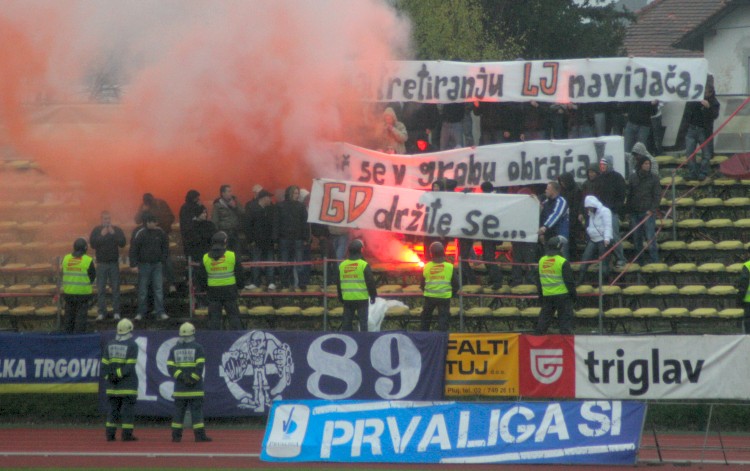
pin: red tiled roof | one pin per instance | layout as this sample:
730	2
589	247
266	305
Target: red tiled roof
662	23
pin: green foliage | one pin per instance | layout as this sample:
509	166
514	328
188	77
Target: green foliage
492	30
455	30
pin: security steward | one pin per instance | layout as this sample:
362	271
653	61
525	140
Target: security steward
557	287
356	284
743	294
118	367
225	275
78	274
185	364
439	284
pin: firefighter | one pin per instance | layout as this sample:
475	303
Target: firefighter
118	366
186	364
557	288
356	284
439	284
224	274
78	274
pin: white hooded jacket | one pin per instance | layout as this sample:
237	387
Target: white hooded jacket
600	221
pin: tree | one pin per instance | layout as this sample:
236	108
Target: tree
491	30
455	30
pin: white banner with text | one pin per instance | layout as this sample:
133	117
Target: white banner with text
513	164
562	81
426	213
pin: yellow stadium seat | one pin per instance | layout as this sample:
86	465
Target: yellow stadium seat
585	289
704	312
611	290
729	245
4	310
636	290
587	313
313	311
477	312
504	289
203	311
674	312
646	312
691	223
665	160
261	311
712	267
655	268
709	202
700	245
46	311
389	289
735	268
506	311
336	312
686	267
732	313
737	201
397	311
289	311
523	289
742	223
618	312
530	312
693	290
719	223
22	311
665	290
471	289
673	245
413	289
722	290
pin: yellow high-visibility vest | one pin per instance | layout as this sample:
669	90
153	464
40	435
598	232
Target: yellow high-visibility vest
437	280
550	275
75	279
352	277
220	272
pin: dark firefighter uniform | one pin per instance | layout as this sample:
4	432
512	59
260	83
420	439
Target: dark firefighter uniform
185	364
118	367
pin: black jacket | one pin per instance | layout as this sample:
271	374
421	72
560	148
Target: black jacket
644	192
610	188
291	219
258	222
148	246
107	246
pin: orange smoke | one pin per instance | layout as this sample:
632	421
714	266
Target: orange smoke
227	91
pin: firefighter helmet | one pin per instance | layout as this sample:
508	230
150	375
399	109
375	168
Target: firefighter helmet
124	327
187	330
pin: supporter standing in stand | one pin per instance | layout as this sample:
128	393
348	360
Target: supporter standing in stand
107	240
557	289
554	216
489	248
197	241
78	273
227	216
149	251
293	232
185	364
599	232
699	117
225	276
118	368
610	188
356	284
393	135
743	295
188	211
572	193
159	209
258	227
439	284
644	196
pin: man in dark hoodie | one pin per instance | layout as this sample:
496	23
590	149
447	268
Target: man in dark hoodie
225	275
149	251
107	240
355	285
572	194
644	195
610	188
78	273
188	211
699	117
197	241
258	227
293	233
